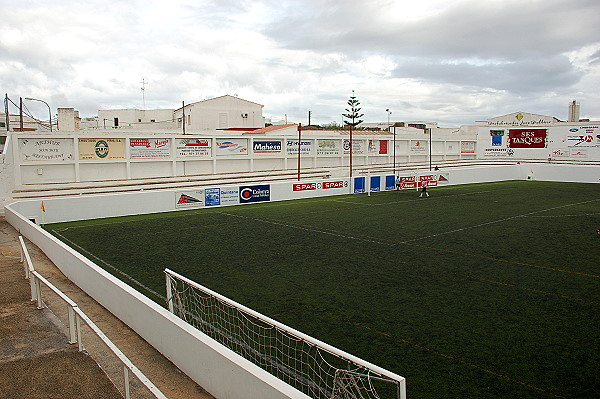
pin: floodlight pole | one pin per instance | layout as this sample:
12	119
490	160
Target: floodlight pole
183	116
430	149
299	146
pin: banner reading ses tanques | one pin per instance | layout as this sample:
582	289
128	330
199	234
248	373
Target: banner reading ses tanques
46	149
149	148
101	149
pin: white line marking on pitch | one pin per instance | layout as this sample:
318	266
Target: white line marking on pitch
496	221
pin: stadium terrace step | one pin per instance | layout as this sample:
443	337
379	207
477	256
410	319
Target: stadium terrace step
198	181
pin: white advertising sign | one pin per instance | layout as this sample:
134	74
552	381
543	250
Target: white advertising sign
46	149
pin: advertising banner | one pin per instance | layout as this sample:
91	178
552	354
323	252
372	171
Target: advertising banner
375	183
190	199
443	178
418	146
579	153
149	148
258	193
305	147
429	180
408	182
212	196
328	147
496	141
229	196
320	185
585	140
267	147
390	182
378	147
334	184
304	186
46	149
499	152
101	149
232	147
358	146
359	185
467	147
527	138
193	147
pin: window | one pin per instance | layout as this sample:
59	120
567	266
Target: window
116	120
189	118
152	120
139	120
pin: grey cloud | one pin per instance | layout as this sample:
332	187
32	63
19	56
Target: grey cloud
490	30
523	76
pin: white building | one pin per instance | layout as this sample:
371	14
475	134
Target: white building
220	113
526	136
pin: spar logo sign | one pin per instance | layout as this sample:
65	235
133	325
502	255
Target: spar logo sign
257	193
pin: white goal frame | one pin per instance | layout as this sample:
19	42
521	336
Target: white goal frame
367	374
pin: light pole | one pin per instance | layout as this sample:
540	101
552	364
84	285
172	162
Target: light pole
49	110
389	127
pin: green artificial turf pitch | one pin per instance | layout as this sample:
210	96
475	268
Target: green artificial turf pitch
480	291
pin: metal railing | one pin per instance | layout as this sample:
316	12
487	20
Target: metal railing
77	319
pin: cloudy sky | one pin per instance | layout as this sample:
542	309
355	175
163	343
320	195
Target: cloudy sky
453	62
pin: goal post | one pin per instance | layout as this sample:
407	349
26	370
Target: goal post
315	368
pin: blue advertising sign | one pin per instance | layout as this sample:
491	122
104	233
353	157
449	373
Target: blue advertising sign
390	182
375	183
212	196
496	141
260	146
257	193
359	185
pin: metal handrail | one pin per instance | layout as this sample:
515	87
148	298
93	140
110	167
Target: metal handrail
76	315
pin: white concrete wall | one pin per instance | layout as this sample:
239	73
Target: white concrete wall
67	166
562	143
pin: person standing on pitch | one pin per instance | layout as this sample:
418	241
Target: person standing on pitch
424	190
397	182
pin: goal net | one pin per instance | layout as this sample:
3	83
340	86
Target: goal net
309	365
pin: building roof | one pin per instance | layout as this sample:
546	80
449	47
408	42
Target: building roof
217	98
271	128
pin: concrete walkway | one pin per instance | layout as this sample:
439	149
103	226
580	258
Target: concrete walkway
36	360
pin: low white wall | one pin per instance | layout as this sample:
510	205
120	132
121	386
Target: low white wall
564	173
220	371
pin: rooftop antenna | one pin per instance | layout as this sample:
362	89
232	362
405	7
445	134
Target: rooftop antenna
143	88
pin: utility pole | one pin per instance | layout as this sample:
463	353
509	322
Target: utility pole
299	147
309	112
21	113
183	117
143	82
6	115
